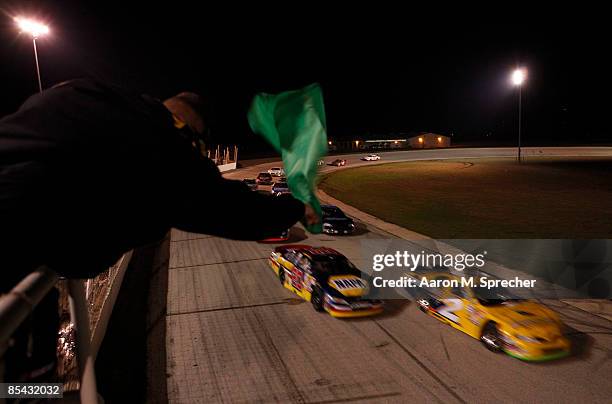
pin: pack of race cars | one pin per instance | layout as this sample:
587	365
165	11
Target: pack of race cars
328	280
503	323
276	175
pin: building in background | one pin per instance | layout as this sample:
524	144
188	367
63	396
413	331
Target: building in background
423	140
385	144
429	141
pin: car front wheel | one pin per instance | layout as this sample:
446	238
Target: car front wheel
317	299
490	338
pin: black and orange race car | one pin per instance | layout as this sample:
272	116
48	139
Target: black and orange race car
325	278
283	236
335	221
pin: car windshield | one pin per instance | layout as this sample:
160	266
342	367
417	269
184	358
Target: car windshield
280	185
333	212
275	168
333	265
264	174
493	296
249	181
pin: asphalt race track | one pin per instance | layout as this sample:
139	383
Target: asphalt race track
235	335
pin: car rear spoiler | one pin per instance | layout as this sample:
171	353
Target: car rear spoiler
284	248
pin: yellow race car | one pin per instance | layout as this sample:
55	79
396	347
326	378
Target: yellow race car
325	278
521	328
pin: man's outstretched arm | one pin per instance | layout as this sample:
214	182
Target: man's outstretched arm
227	208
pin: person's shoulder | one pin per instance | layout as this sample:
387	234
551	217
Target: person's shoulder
84	83
70	91
119	95
90	85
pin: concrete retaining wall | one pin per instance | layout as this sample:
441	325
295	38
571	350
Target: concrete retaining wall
227	167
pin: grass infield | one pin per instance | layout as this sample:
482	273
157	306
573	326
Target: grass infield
485	198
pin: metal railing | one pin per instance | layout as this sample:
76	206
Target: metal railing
16	306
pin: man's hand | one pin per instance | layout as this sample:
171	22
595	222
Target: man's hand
310	216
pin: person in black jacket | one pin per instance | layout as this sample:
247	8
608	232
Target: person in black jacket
89	171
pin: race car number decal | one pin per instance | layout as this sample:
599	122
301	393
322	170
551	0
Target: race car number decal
450	306
295	278
309	281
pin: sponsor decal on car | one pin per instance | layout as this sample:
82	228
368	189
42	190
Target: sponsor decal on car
348	285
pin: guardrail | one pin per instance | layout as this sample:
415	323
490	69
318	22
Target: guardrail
17	304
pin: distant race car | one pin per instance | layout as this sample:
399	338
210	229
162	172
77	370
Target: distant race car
523	329
279	188
371	157
264	179
338	163
276	172
284	236
325	278
335	221
251	183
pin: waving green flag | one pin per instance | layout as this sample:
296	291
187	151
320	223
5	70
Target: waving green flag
294	124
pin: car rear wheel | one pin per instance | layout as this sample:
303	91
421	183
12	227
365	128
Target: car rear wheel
490	338
317	299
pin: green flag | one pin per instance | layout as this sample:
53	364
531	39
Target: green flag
294	124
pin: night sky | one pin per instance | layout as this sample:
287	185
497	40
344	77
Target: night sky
382	72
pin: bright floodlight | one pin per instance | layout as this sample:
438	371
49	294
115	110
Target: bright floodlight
518	76
32	27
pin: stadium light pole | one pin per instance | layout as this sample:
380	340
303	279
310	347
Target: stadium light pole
36	30
518	77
